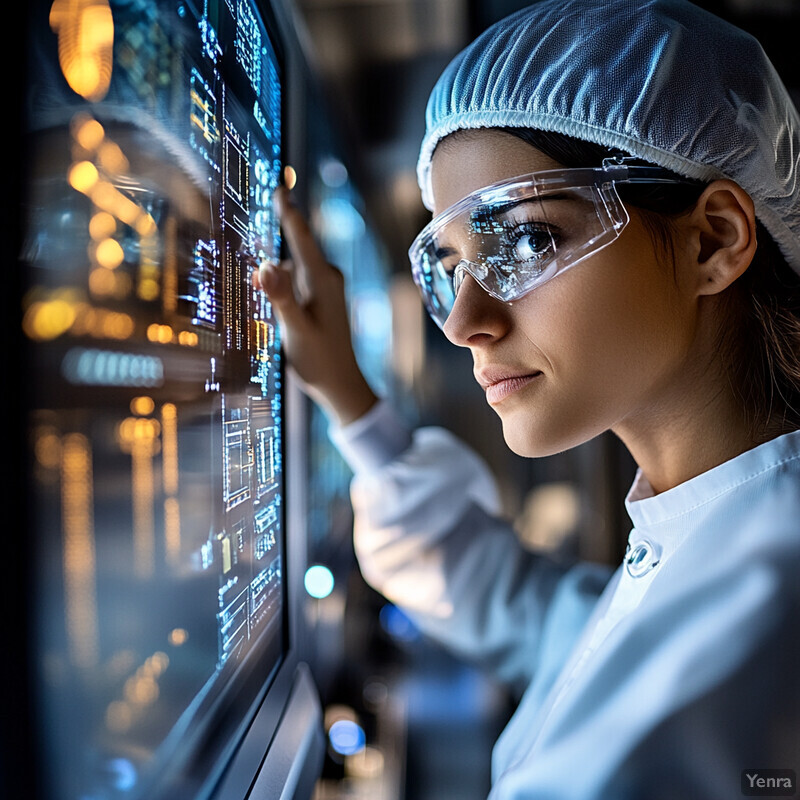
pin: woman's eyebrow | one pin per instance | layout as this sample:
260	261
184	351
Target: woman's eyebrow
489	213
444	252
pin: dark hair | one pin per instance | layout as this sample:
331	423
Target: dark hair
759	337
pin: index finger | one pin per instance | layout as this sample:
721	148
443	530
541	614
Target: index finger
302	244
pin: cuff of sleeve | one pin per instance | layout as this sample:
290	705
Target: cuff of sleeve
373	440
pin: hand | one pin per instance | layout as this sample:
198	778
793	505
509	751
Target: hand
307	294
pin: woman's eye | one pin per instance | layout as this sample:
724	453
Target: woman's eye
525	245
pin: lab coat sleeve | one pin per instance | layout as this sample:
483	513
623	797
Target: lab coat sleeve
429	538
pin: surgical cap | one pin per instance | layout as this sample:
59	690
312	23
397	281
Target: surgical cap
662	80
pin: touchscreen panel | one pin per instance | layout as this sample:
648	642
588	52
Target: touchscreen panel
154	372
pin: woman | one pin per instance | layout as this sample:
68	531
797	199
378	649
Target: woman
632	266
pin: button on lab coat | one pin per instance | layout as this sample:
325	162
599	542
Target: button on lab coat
665	678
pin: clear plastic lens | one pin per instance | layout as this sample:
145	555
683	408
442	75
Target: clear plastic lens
512	242
518	234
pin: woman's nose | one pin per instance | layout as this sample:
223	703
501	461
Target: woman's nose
476	316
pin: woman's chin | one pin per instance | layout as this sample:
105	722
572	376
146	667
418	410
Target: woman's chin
532	440
530	444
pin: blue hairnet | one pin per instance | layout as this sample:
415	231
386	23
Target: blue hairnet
662	80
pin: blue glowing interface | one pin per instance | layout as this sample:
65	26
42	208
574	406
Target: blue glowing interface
156	425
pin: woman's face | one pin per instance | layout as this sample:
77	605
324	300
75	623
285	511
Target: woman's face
604	345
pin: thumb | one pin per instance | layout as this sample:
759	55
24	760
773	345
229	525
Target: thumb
276	282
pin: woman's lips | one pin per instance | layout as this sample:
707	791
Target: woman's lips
498	389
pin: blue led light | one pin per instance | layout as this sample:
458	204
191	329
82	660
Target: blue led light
346	737
122	774
319	581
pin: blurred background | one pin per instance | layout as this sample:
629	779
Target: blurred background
430	721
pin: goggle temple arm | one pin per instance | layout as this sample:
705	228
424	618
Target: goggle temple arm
627	169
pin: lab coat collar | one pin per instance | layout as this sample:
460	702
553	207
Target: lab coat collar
647	509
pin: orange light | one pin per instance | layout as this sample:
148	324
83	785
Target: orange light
48	320
85	31
188	338
109	253
178	636
145	430
289	177
142	405
148	289
160	333
89	133
83	176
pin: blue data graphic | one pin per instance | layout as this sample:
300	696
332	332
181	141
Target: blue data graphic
157	419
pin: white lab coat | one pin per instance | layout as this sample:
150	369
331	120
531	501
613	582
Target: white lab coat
665	679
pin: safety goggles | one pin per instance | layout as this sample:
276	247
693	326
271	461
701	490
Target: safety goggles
516	235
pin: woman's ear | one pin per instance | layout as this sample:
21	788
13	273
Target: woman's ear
723	235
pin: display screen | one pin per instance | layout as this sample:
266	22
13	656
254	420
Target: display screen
154	375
